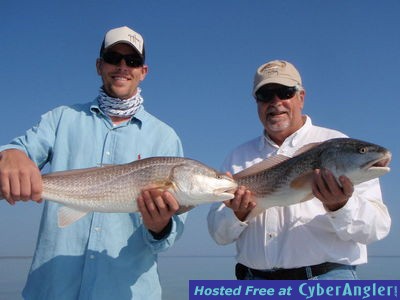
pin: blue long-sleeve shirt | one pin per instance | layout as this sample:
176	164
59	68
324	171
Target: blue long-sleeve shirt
103	255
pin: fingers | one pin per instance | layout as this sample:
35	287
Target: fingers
318	187
157	208
242	200
347	186
229	174
5	188
242	204
326	188
157	203
20	179
26	186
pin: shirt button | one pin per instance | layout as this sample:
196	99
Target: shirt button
91	256
108	153
97	229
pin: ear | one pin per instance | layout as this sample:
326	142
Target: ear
145	70
98	66
302	95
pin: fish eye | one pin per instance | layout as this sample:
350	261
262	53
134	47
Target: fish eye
363	150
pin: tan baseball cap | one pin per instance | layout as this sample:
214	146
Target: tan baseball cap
276	71
123	35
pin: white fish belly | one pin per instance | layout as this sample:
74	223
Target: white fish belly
284	197
113	203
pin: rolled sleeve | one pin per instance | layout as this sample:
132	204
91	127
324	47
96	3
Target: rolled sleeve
223	226
364	219
163	244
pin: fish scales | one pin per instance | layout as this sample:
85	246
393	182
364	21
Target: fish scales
119	185
115	188
264	183
277	181
282	181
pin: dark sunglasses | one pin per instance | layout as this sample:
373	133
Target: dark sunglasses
114	58
266	94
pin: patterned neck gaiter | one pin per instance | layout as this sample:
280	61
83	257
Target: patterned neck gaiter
115	107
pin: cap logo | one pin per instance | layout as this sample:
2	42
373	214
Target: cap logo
136	41
271	70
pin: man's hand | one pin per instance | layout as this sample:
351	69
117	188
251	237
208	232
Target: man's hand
20	178
157	208
242	203
332	195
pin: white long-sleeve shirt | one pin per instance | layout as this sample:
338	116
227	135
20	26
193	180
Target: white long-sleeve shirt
301	234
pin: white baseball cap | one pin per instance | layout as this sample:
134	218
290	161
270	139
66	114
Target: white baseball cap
123	35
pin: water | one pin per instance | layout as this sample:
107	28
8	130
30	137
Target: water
175	272
13	273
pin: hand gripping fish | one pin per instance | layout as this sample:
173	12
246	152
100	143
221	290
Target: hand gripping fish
282	181
115	188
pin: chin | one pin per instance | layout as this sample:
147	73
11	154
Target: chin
120	95
277	127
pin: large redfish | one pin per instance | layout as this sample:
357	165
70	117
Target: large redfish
282	181
115	188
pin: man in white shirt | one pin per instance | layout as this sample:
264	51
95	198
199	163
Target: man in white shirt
324	238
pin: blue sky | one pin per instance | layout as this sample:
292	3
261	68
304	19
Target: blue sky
202	56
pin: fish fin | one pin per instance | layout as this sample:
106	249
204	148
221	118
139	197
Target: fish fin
307	197
303	181
161	185
67	216
306	147
76	171
182	209
261	166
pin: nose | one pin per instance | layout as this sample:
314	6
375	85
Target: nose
275	100
122	64
121	68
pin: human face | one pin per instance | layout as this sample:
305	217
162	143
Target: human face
120	81
281	118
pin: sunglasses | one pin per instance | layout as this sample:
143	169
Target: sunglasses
114	58
265	94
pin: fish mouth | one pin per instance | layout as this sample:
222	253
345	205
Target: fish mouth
226	191
380	163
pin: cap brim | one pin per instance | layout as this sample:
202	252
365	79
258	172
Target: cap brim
127	43
282	81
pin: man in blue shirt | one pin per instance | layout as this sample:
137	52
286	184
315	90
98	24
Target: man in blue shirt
103	255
